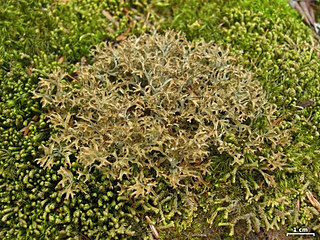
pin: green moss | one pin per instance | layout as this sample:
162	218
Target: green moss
39	36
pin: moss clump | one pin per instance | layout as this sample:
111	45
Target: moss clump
167	120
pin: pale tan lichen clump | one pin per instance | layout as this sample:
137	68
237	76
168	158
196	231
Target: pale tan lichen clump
151	108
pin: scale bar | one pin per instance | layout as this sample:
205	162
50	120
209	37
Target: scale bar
300	234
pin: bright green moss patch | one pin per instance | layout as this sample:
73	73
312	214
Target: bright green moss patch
63	29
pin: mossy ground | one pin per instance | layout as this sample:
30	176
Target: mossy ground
38	36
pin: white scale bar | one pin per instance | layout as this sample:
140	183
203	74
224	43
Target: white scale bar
299	234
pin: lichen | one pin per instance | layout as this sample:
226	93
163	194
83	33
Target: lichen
158	110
